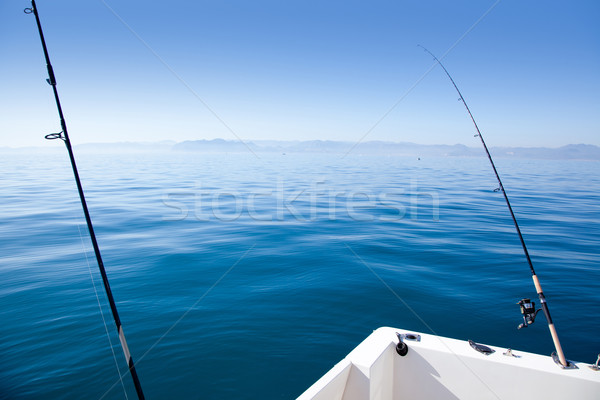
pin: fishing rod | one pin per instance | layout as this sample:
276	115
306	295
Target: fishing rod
527	306
64	136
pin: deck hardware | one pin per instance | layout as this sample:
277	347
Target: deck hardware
509	353
570	364
410	336
401	347
596	367
529	312
481	348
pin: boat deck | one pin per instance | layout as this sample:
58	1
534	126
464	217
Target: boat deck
442	368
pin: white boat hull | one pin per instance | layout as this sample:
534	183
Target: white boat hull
442	368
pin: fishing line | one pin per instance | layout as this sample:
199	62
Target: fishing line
414	85
101	312
442	342
560	355
179	78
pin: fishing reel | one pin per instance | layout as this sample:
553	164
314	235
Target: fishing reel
529	312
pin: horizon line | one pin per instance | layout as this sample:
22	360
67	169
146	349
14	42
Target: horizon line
296	141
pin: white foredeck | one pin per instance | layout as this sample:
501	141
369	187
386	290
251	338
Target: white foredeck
442	368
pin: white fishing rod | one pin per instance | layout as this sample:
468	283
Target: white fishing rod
64	136
527	306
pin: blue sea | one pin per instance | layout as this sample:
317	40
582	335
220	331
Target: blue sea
242	276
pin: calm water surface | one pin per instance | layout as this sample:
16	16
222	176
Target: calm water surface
244	277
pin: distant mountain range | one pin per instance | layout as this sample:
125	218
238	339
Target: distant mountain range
568	152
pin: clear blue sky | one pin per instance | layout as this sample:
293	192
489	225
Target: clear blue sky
303	70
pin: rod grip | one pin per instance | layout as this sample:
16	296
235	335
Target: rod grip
559	350
536	282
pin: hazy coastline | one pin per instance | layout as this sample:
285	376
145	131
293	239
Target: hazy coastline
567	152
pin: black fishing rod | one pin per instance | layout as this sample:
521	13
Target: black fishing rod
527	307
64	136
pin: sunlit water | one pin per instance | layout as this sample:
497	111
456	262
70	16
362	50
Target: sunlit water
249	277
